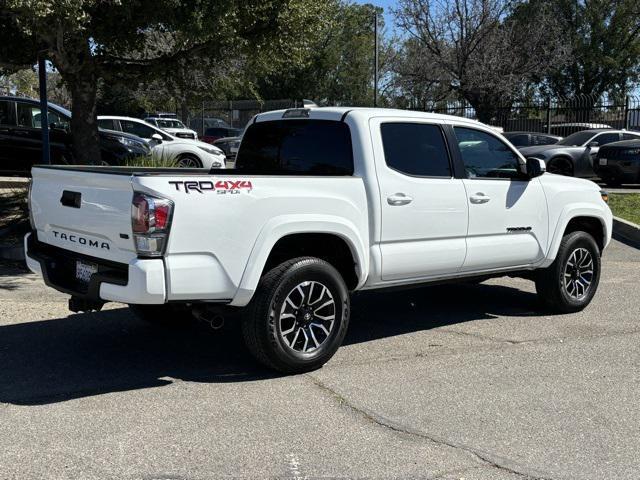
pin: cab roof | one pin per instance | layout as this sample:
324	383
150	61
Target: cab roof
340	113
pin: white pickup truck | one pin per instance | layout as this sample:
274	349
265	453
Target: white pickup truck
322	203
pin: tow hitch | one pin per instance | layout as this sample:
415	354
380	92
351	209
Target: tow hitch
77	305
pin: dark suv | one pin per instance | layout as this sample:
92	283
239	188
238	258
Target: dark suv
21	137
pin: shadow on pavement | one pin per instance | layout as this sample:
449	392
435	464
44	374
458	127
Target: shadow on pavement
81	355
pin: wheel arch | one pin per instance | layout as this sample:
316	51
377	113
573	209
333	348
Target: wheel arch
333	239
580	218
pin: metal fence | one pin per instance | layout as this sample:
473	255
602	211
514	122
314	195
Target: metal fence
560	116
235	113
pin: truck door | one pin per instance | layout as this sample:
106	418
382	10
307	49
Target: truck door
508	216
424	208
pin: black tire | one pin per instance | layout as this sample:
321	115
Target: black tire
166	315
262	325
560	166
551	286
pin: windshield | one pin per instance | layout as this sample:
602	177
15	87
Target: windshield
577	139
167	123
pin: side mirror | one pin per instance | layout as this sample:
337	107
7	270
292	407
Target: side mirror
535	167
593	144
156	137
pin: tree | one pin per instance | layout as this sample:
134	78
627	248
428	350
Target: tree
113	41
483	50
339	70
604	37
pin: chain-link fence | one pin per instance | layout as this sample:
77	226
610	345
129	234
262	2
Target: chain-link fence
561	116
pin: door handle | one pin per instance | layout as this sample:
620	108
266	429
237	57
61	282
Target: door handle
398	199
479	198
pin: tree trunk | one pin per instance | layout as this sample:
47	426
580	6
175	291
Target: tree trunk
84	125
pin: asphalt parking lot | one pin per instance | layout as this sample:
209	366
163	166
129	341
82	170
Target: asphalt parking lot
445	382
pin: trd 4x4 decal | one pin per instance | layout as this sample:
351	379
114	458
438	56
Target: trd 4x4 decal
221	186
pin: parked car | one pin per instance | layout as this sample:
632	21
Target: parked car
212	134
173	126
574	155
196	123
619	163
323	202
185	152
528	139
566	129
229	145
21	137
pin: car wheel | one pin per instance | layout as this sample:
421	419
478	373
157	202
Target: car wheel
298	316
189	161
571	281
560	166
165	315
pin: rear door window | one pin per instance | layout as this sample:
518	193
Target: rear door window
107	124
6	112
605	138
137	128
630	136
415	149
28	115
301	147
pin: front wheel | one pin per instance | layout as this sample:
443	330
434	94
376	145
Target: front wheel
560	166
571	281
298	317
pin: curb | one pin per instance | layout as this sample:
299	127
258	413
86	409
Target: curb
13	182
627	231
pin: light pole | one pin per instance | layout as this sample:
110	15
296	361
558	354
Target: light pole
375	58
44	108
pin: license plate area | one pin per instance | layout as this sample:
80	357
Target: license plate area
603	161
84	270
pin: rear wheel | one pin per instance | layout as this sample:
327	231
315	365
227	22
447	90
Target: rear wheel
560	166
298	317
571	281
612	182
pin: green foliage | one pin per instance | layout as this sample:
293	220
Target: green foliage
604	38
339	69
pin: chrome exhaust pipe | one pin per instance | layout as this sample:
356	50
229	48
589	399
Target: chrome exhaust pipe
213	318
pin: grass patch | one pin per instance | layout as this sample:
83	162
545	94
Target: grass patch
626	205
158	161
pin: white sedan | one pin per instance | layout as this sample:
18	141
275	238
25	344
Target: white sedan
183	151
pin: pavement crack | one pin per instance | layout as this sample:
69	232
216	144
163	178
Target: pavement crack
484	458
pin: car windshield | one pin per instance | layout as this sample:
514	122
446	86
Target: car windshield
576	139
168	123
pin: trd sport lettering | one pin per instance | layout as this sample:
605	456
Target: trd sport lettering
81	240
221	186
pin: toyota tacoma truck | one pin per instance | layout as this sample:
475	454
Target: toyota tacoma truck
322	203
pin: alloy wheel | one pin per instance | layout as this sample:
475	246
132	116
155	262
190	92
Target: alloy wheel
307	317
578	273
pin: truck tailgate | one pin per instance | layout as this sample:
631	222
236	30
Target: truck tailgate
86	212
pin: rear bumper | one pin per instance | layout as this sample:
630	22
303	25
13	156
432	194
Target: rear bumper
142	281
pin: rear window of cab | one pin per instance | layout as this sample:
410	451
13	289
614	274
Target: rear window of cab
296	147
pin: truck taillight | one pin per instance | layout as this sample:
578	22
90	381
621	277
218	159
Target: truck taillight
150	222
